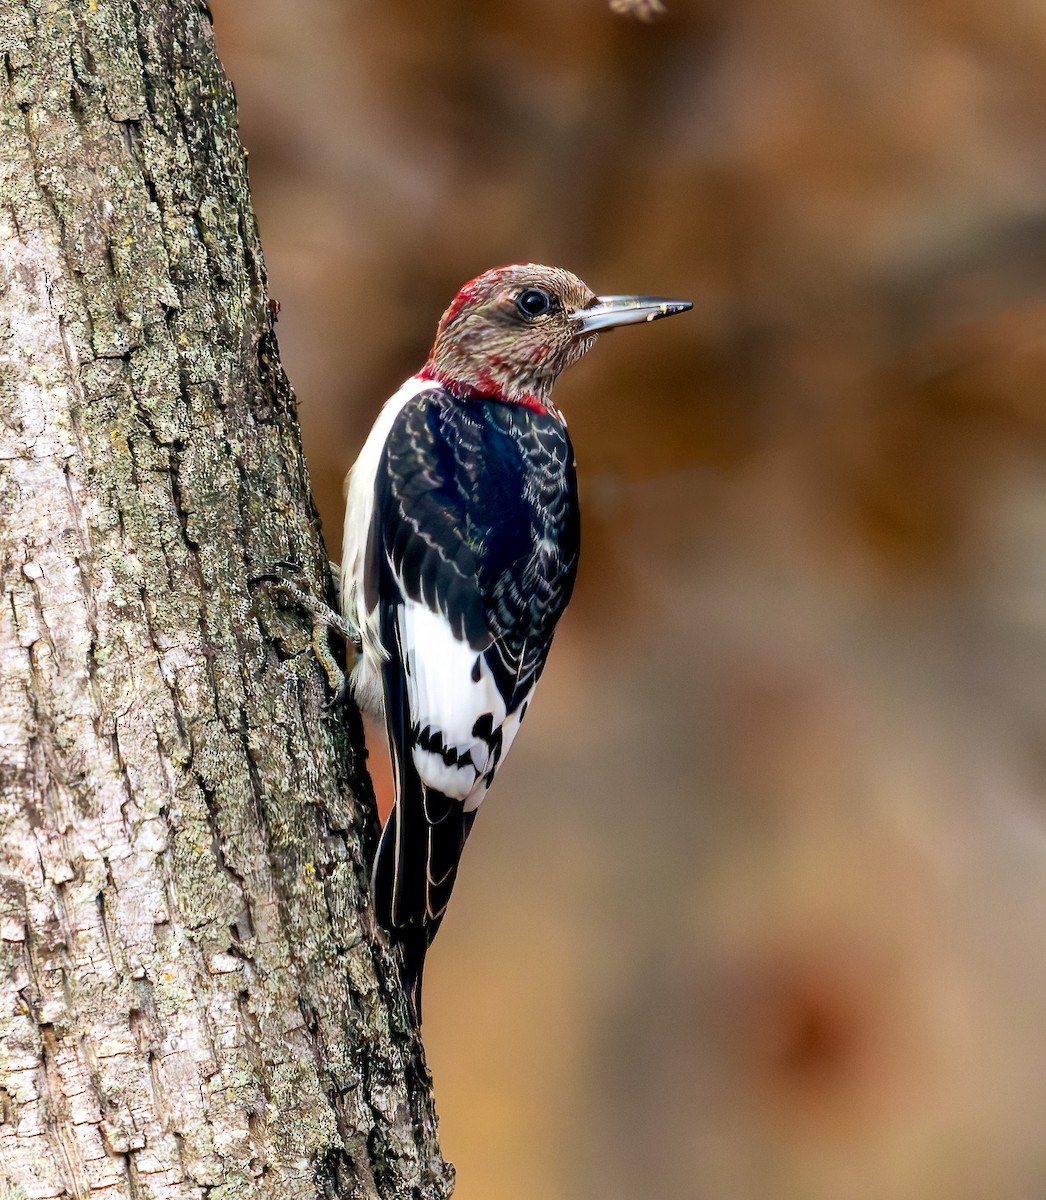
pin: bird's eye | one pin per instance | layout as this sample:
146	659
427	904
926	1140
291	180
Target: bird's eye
533	302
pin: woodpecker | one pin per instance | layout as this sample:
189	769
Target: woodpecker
460	552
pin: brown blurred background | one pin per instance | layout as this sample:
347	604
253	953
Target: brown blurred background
757	910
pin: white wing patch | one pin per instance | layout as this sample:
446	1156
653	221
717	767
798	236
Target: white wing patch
450	690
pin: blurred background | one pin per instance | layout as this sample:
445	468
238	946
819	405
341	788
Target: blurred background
757	909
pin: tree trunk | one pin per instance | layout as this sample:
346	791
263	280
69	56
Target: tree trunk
193	999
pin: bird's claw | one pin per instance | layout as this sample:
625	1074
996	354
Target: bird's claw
323	617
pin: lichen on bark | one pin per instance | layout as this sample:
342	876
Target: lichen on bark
193	997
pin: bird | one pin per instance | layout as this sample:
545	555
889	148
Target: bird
460	553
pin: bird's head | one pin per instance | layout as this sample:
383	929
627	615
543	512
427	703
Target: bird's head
510	332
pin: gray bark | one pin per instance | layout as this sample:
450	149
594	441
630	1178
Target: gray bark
193	997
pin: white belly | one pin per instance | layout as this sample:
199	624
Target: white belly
365	676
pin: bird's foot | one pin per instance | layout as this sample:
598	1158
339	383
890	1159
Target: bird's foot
322	616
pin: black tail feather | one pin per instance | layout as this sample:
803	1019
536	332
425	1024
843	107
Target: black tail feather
399	901
414	944
415	869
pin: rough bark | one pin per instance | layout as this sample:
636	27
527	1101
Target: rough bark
193	999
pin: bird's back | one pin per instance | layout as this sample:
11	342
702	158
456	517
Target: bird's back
474	550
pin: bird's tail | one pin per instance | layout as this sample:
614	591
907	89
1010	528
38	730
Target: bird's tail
415	869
